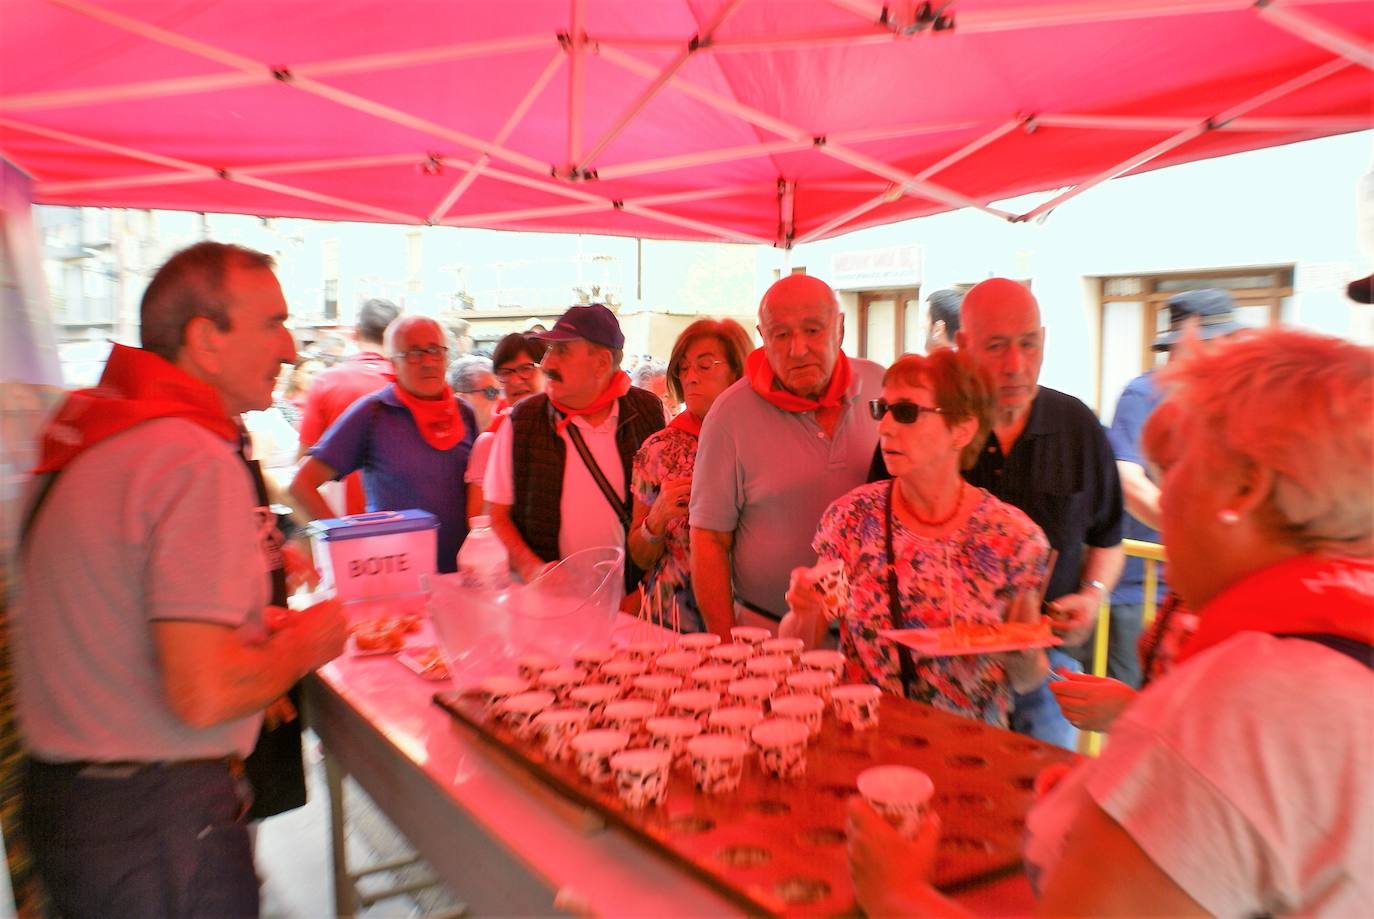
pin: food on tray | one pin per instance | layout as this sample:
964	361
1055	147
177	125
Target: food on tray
978	634
383	635
431	664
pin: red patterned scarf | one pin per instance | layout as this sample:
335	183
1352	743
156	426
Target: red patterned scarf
439	421
617	387
827	407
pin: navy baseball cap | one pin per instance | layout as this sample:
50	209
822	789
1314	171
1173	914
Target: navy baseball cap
1213	309
594	323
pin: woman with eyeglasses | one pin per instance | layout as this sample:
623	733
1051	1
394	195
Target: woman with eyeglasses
927	550
516	365
707	359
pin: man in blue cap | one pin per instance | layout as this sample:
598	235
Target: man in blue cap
1212	313
559	474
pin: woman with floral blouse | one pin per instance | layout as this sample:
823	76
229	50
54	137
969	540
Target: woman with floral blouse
707	358
927	550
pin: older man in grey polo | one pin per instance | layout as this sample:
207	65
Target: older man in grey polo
776	448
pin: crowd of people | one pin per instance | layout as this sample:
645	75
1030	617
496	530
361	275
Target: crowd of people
951	488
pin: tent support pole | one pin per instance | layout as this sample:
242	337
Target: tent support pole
777	126
577	71
1254	125
1321	34
477	168
1197	130
579	165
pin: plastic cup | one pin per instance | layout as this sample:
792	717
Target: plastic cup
532	665
497	689
519	711
641	776
592	751
774	666
591	660
595	696
754	691
623	671
656	688
560	681
790	647
901	794
701	642
714	677
823	660
856	705
678	663
672	734
733	655
804	708
812	683
628	715
717	762
830	582
557	727
781	744
693	703
749	635
737	721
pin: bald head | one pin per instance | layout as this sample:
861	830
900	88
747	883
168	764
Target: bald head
1000	329
801	325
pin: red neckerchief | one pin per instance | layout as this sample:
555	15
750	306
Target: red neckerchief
136	386
1307	594
687	422
375	362
439	421
827	407
617	387
497	419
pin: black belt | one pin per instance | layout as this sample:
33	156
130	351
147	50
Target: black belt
767	614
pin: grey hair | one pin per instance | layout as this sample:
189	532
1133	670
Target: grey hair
1293	402
402	325
463	372
648	370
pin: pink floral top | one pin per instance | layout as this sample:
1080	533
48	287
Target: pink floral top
668	454
977	570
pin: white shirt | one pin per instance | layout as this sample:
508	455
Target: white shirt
588	521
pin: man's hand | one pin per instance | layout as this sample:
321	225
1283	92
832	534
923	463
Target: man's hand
1091	703
320	632
891	874
300	568
1072	616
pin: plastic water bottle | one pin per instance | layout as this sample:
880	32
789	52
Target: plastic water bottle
483	561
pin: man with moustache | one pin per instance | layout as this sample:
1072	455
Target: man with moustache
411	440
150	628
1049	456
777	447
558	477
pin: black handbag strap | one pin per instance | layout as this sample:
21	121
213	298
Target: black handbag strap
40	495
894	603
620	507
1352	648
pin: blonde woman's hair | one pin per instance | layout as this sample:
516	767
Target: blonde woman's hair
1293	402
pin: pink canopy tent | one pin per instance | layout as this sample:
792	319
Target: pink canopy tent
766	121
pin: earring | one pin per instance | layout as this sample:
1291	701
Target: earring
1228	517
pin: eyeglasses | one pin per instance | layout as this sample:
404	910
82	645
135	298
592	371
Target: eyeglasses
902	412
704	364
491	392
523	370
417	355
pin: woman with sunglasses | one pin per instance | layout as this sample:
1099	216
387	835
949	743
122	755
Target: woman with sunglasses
707	359
516	364
927	550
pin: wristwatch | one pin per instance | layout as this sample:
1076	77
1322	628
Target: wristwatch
1095	585
648	534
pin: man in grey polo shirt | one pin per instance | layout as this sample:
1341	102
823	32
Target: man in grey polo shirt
777	447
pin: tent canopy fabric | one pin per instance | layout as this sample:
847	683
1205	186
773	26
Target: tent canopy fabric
762	121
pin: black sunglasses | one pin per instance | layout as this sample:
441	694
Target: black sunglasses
902	412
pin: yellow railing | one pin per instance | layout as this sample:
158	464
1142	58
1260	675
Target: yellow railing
1153	554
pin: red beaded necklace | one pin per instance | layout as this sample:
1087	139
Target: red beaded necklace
934	524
